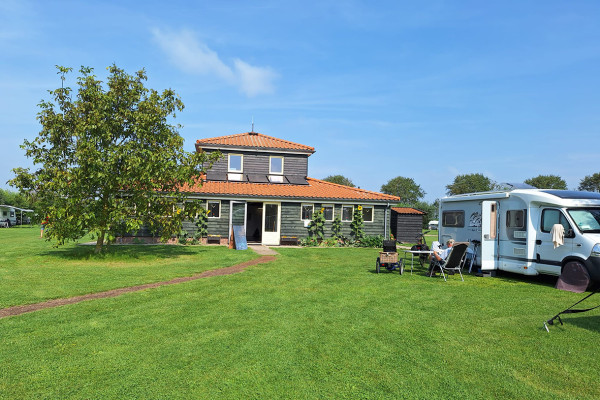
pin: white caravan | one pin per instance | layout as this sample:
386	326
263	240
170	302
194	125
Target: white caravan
513	229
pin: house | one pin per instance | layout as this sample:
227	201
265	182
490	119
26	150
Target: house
407	224
261	183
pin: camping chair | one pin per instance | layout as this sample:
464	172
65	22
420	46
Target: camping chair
454	262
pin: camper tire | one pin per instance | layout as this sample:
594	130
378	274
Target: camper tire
377	265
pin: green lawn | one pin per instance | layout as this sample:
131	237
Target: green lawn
31	270
316	323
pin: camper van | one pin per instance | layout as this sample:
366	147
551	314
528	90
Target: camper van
7	214
513	230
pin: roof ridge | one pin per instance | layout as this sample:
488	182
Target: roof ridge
257	134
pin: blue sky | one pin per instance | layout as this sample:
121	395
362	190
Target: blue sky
426	90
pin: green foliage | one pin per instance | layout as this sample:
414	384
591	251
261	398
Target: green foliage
470	183
336	228
14	199
357	225
108	161
340	180
317	225
371	241
591	183
182	237
405	188
547	182
201	223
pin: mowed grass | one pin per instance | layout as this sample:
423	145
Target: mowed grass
31	270
315	324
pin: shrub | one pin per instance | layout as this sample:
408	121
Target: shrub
357	225
315	229
371	241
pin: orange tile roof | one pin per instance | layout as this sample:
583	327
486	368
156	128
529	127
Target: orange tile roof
407	210
253	140
316	189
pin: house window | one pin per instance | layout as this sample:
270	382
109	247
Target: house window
307	211
347	212
235	163
367	213
276	165
328	212
214	209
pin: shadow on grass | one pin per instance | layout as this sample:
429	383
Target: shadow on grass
509	277
590	322
127	251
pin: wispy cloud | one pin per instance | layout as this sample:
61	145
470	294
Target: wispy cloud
194	57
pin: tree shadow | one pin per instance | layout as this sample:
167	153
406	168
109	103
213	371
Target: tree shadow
134	251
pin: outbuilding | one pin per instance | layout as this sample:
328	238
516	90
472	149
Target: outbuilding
407	224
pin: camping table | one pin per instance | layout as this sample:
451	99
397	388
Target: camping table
412	254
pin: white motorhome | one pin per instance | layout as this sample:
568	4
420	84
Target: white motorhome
7	213
512	229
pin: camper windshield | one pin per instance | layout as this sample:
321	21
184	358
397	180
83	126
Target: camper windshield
586	219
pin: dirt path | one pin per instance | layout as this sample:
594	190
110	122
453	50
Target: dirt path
18	310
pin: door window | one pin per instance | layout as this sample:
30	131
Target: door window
271	217
550	217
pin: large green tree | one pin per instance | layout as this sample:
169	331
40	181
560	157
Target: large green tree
547	182
14	199
470	183
405	188
340	180
108	160
591	183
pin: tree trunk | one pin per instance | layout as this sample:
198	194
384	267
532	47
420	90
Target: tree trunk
100	242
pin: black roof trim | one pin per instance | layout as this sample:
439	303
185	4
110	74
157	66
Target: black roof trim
573	194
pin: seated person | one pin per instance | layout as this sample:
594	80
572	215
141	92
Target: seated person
439	256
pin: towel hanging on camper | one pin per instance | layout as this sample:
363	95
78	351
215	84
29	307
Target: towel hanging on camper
558	235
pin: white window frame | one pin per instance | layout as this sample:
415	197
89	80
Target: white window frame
229	169
302	208
273	172
208	208
332	211
372	213
351	214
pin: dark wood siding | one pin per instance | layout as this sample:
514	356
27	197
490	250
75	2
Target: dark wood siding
292	225
406	227
215	226
258	163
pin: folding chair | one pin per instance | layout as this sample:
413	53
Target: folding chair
454	262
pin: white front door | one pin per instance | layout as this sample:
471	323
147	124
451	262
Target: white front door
489	234
271	223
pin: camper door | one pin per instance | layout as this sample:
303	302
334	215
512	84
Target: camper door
489	234
549	257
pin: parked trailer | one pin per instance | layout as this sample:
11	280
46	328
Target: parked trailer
514	229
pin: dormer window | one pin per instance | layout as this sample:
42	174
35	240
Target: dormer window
276	165
235	163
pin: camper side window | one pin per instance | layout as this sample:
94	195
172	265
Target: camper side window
453	218
515	218
551	217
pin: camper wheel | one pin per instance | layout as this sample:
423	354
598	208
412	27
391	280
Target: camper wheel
574	277
377	265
